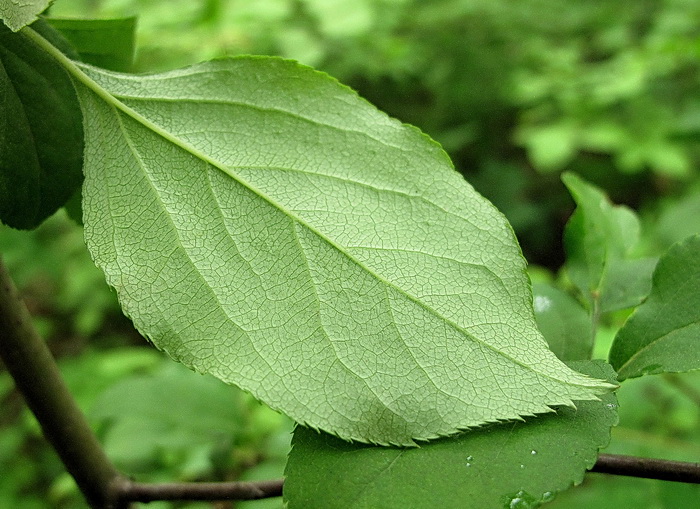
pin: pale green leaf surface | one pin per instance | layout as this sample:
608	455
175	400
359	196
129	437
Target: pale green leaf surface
663	335
17	14
599	240
262	223
499	466
563	322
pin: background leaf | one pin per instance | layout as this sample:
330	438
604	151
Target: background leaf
663	335
17	14
41	135
617	492
505	465
600	238
563	322
173	414
106	43
262	223
679	218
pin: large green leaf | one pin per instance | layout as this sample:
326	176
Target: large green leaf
600	238
663	335
41	136
261	222
513	465
16	14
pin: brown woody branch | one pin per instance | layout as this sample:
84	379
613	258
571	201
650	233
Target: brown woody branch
150	492
38	378
648	468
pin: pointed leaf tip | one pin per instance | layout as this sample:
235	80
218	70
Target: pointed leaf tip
536	458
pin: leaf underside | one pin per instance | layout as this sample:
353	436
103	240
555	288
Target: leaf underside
511	465
262	223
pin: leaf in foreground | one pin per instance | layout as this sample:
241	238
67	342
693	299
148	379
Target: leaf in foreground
663	335
505	465
41	136
262	223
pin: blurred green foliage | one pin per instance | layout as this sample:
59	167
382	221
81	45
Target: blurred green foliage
516	92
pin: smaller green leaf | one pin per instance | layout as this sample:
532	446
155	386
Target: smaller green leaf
41	134
663	335
17	14
106	43
599	239
563	323
499	466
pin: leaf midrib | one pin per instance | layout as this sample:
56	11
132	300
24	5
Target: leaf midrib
94	87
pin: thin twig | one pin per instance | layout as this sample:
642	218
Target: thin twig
38	378
149	492
648	468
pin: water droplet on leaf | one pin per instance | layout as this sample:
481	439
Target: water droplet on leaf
547	496
521	500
